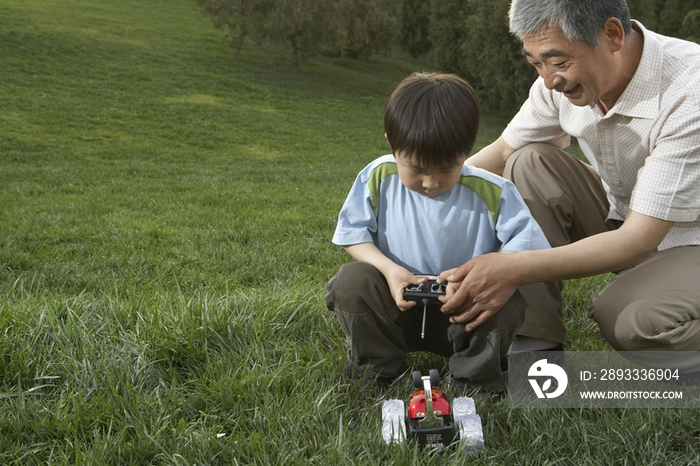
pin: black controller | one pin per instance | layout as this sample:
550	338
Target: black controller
429	290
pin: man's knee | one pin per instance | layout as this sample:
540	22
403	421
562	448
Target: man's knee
529	159
643	324
634	328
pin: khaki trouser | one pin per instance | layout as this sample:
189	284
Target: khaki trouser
381	335
654	306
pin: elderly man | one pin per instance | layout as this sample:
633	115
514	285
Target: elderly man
632	99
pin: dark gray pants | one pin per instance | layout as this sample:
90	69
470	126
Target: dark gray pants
381	336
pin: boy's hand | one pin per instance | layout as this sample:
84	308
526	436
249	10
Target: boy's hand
398	279
396	276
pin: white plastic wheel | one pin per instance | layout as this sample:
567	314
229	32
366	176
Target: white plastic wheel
468	423
394	422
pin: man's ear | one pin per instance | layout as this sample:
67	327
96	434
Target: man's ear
614	34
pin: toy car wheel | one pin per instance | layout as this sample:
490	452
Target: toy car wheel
417	379
468	424
394	422
434	377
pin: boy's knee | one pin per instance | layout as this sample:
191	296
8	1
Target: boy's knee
509	317
501	327
359	288
343	287
354	275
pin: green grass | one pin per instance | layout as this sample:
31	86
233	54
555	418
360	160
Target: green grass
166	208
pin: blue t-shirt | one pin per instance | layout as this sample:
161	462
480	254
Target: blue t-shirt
482	213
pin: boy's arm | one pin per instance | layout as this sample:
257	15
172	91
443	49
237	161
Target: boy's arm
396	276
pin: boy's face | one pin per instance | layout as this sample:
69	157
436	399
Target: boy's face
428	183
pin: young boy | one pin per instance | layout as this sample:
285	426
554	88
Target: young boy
422	210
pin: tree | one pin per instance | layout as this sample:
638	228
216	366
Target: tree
691	26
447	25
300	24
415	27
296	25
673	15
236	15
647	12
364	27
493	58
472	38
304	27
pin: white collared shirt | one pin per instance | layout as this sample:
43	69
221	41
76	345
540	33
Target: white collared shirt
646	148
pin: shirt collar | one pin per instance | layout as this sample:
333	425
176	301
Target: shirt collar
641	97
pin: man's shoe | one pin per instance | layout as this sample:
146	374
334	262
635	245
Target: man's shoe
524	348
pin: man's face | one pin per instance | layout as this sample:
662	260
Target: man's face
428	183
574	69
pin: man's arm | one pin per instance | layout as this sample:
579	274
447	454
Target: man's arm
488	281
396	276
492	157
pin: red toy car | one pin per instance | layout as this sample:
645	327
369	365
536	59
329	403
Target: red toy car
432	422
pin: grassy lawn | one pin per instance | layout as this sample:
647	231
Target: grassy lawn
166	209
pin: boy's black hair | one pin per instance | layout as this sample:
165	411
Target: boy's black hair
432	119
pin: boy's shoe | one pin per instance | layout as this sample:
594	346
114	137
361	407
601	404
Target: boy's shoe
486	391
491	391
366	378
485	394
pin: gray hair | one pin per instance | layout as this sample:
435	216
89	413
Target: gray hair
580	20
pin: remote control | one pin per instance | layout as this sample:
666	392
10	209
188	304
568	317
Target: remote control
429	290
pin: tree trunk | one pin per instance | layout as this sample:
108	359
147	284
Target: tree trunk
295	52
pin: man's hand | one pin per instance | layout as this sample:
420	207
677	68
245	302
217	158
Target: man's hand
478	289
